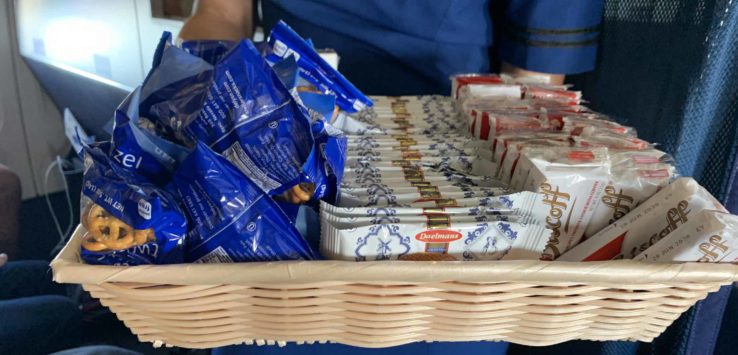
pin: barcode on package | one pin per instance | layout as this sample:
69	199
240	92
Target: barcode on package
241	160
217	256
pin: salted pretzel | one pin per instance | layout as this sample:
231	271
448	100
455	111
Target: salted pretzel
299	193
105	232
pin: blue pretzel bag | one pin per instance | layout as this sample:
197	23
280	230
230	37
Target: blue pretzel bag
326	162
251	118
314	69
140	205
139	151
271	149
244	88
212	51
174	90
232	219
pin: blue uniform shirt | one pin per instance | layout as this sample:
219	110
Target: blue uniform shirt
412	47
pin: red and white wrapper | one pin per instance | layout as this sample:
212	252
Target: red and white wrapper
648	223
552	92
628	187
571	183
709	237
588	124
488	125
461	80
610	140
510	160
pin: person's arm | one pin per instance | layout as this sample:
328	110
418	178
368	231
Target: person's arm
220	20
550	37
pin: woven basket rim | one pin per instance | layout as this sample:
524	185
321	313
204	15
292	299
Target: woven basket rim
68	268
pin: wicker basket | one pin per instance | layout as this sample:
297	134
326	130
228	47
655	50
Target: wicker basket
381	304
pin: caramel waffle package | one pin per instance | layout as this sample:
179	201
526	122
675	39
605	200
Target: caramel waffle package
710	237
648	223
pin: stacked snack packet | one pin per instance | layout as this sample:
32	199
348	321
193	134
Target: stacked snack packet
502	169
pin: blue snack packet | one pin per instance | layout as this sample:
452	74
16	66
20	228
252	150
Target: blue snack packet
314	69
326	162
232	219
272	149
175	88
129	221
212	51
244	88
251	118
319	106
286	70
139	151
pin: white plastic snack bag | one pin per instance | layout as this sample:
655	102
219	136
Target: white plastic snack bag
570	183
648	223
628	187
436	241
511	163
709	237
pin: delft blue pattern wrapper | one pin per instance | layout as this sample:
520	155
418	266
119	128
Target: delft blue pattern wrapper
211	51
232	219
175	89
139	151
285	42
138	204
244	88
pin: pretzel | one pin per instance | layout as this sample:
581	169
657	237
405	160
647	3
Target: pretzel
299	193
105	232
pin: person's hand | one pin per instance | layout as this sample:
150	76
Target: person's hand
3	259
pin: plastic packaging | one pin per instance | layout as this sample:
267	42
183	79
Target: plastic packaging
174	90
128	221
434	241
135	149
316	70
710	237
653	220
212	51
232	219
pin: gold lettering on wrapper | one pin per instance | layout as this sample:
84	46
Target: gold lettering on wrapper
446	202
713	249
619	202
